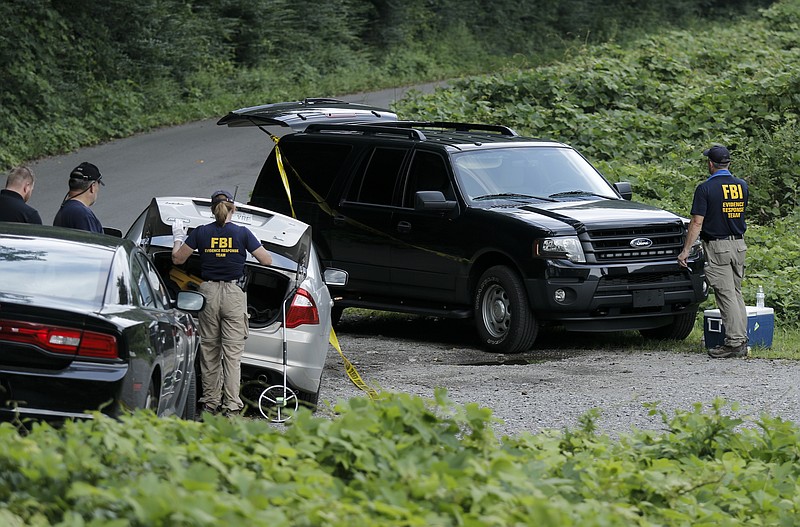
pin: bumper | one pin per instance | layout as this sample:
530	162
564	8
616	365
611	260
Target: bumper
306	352
615	298
69	393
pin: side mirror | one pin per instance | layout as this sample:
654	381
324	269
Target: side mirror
624	189
111	231
432	200
335	277
190	301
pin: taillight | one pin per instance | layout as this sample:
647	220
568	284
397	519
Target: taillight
55	339
303	310
98	345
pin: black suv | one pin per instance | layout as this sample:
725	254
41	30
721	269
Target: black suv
467	220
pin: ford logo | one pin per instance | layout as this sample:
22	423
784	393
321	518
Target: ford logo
641	243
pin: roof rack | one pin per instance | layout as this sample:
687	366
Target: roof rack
456	127
367	129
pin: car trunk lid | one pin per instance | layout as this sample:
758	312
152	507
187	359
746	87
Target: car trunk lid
288	239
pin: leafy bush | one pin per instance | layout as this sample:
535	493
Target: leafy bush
156	62
401	460
643	112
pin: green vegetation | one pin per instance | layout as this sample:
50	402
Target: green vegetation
77	73
644	111
401	461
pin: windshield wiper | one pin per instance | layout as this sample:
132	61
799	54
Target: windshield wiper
577	193
510	195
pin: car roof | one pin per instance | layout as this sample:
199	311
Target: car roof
459	137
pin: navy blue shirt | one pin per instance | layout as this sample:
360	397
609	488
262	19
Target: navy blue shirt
722	201
14	208
223	249
76	215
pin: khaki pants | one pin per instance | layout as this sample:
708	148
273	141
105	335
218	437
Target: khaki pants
724	272
223	330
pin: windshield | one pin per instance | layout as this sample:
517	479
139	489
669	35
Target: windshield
524	173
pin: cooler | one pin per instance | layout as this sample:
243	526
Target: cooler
760	326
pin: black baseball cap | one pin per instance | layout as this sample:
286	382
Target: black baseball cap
718	154
221	195
87	172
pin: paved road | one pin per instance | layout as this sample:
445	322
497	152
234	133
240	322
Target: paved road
190	160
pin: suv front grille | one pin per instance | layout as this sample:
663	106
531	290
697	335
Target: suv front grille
616	245
666	281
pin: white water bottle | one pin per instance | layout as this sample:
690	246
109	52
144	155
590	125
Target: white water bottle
760	297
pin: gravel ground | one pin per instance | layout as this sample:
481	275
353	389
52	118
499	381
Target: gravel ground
553	385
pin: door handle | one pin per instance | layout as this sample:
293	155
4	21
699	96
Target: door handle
404	227
339	219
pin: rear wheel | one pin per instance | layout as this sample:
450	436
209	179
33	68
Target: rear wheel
680	328
310	399
151	400
503	317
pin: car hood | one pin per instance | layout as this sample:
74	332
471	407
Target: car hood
299	114
593	214
281	235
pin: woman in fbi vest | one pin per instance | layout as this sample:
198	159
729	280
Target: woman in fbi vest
223	248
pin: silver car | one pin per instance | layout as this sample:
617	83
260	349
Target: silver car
273	356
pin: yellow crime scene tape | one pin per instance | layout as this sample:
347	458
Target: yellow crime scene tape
351	371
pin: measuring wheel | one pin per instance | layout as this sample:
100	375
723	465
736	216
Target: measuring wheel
278	403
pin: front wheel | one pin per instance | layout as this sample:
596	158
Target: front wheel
190	409
680	328
336	315
503	317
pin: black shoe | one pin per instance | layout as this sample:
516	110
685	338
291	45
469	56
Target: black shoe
227	412
210	409
728	352
740	351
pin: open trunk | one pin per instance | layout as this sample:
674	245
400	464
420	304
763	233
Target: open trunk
265	287
287	240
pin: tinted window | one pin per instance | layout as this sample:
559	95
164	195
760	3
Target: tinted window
119	287
315	164
428	172
375	181
159	290
38	267
147	297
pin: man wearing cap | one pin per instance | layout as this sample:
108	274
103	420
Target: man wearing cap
14	198
718	217
223	247
84	185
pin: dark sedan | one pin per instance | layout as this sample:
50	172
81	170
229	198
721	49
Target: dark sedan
87	324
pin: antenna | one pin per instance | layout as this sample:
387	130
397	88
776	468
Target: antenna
235	191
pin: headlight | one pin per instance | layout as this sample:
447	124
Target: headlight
566	247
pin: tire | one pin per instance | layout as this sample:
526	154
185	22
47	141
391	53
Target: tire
151	399
680	328
190	409
503	317
336	315
310	400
